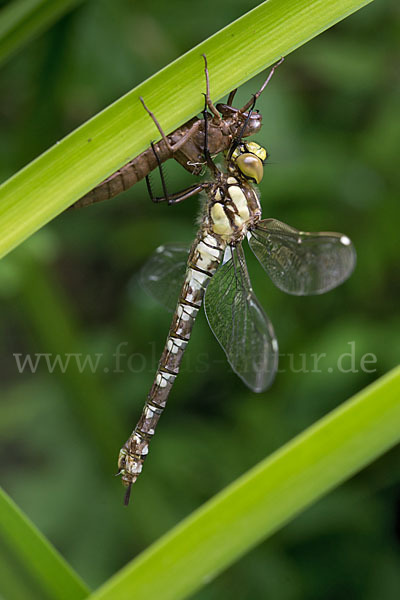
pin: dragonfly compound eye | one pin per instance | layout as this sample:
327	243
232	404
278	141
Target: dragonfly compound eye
251	166
256	149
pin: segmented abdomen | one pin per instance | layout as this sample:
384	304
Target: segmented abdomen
204	259
126	177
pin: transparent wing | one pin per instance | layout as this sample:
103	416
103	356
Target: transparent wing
240	324
302	263
163	274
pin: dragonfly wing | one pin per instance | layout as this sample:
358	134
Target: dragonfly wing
240	324
163	274
299	262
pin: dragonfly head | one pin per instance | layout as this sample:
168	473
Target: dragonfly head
248	159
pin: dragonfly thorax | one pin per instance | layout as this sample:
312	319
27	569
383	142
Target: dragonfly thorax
234	208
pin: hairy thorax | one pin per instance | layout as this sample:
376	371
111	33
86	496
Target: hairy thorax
234	208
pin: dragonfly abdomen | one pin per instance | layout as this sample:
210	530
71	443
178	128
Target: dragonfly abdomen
127	176
204	259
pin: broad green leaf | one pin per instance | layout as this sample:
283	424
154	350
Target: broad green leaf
31	567
265	498
72	167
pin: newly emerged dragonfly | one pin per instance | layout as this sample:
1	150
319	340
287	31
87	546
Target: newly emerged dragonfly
298	263
185	144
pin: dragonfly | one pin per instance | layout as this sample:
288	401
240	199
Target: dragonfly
185	144
214	270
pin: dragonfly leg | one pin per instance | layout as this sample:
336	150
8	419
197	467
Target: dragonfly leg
210	163
209	102
164	187
231	97
157	124
172	198
182	195
182	140
238	138
262	88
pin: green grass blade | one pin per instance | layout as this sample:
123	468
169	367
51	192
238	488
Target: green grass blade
265	498
69	169
23	20
31	567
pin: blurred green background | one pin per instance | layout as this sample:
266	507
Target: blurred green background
332	129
